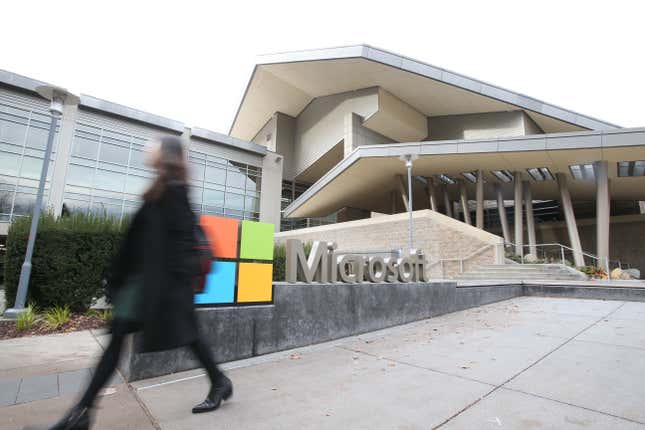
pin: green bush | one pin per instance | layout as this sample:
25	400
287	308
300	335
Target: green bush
70	258
280	261
593	272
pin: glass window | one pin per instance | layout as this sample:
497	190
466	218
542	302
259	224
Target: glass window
253	184
24	203
114	154
252	204
12	132
232	213
6	200
10	148
216	175
136	184
9	163
137	159
196	171
102	209
77	205
234	201
109	180
80	175
31	167
37	137
213	197
235	179
195	195
84	147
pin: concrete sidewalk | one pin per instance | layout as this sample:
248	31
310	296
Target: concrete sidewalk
526	363
42	376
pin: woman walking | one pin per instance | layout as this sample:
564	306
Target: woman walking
151	283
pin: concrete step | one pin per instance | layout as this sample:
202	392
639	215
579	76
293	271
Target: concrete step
523	266
472	276
522	272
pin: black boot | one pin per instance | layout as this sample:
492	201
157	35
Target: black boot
78	418
223	390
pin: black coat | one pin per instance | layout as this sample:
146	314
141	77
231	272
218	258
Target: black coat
157	247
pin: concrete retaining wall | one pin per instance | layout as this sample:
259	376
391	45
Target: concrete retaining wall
305	314
582	292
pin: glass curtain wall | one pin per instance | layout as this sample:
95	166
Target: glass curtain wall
23	138
291	190
106	173
223	187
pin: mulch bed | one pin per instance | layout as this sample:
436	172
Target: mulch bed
76	322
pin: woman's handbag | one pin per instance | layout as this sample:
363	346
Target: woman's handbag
202	258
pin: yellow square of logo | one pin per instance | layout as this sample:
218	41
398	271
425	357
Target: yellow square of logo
254	283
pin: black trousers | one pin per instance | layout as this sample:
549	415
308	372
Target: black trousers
110	359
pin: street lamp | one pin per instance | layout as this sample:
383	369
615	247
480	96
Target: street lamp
409	158
58	97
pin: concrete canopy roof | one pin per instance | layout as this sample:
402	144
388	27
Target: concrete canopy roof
287	82
367	176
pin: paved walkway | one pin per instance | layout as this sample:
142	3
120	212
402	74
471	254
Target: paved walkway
527	363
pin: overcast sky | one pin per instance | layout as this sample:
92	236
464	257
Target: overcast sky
191	60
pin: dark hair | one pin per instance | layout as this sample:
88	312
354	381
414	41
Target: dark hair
171	168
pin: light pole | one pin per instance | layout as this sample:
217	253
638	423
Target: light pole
409	158
58	97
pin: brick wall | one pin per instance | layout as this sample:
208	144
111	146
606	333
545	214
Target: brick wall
439	237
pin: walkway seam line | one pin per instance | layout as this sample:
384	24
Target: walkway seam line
573	405
130	388
416	366
539	360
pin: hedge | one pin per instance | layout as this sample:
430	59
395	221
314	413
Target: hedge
280	260
70	258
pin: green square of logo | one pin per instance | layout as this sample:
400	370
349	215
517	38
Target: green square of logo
257	241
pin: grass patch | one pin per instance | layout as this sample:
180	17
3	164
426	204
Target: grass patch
57	316
27	319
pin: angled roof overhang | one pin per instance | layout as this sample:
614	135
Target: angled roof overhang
287	82
365	178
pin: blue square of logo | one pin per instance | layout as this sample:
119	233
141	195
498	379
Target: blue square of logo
220	284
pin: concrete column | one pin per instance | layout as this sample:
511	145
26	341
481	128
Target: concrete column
432	194
602	211
446	201
569	216
271	186
404	192
530	220
502	213
479	218
519	226
464	201
58	171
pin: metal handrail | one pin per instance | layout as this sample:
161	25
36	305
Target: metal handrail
562	247
461	260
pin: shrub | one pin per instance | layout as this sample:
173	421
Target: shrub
593	272
103	314
70	256
28	318
57	316
280	260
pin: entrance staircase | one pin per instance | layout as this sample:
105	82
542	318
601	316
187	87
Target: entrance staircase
521	272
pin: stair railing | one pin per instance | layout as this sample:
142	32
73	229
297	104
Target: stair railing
599	262
461	260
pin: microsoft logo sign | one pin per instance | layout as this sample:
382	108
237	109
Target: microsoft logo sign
242	270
